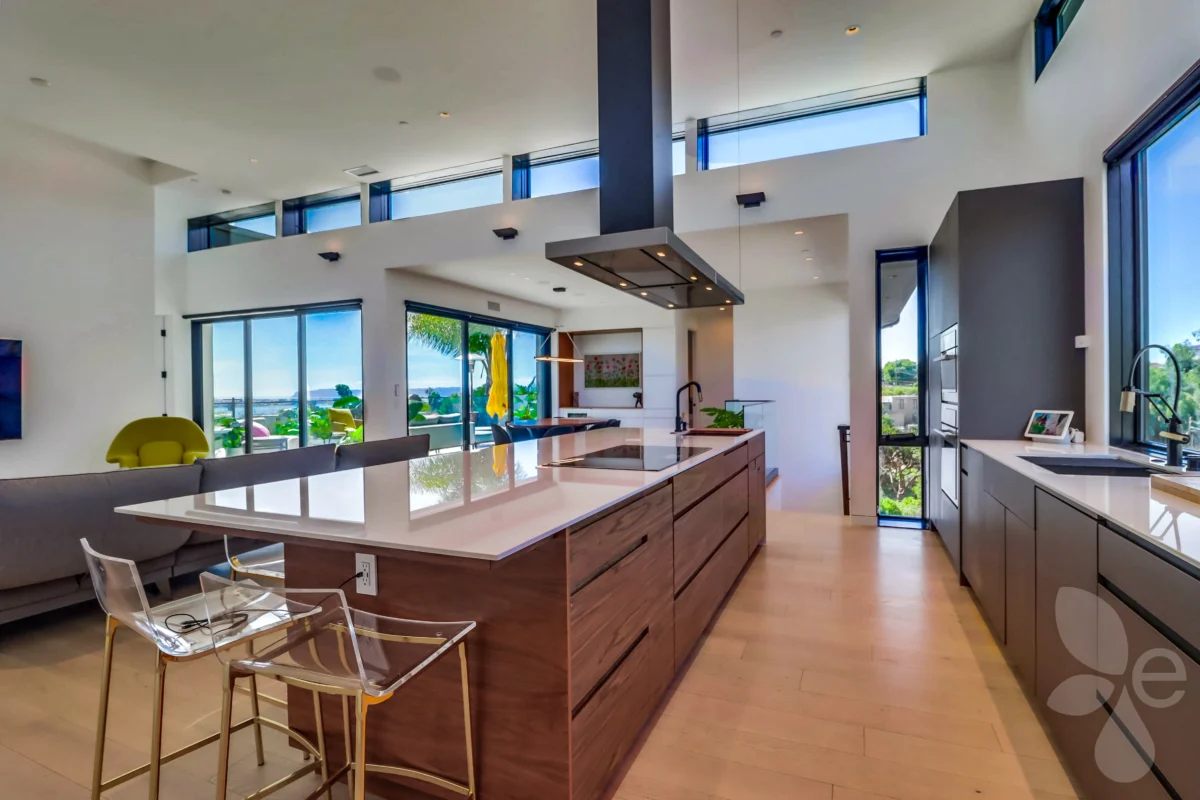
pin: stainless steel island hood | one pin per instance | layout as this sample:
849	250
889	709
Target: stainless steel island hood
637	252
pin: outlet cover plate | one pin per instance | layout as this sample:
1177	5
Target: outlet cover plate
368	582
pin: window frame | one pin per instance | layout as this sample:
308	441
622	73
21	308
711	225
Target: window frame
920	439
200	228
381	192
247	317
1049	30
1128	262
768	116
525	164
295	218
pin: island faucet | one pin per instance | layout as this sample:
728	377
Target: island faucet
680	425
1129	396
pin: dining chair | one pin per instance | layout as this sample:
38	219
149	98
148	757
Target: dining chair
522	433
500	435
558	430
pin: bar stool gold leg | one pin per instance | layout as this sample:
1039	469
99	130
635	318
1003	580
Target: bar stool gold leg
256	712
349	751
110	633
321	742
222	779
466	692
360	755
156	733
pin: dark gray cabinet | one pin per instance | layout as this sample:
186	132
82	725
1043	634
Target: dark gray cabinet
983	549
942	293
1067	560
1020	597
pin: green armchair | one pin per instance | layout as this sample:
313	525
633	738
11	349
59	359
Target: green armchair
158	442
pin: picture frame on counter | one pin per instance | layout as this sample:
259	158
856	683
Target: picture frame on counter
1050	426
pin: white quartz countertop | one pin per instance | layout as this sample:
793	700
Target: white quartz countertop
1164	519
482	504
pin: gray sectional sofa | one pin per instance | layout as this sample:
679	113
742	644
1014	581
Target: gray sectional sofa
43	519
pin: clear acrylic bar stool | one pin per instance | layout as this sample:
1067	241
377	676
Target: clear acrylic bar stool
265	563
182	631
336	650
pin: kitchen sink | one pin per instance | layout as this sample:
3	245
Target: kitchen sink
1101	466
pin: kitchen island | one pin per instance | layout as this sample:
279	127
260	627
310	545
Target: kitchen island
592	576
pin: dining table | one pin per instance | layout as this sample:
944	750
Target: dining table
551	422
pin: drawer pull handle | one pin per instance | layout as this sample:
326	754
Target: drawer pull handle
611	671
612	562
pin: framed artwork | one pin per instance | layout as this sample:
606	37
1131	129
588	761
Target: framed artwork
612	371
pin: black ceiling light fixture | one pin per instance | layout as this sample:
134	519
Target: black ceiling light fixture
506	233
331	256
752	200
637	252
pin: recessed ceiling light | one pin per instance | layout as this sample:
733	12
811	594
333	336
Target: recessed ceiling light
853	29
386	74
661	254
444	114
226	191
623	283
41	83
816	277
722	308
670	305
728	301
643	294
808	258
579	263
254	161
799	233
708	288
402	123
775	34
695	278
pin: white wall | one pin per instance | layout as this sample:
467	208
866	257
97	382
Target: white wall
713	359
792	345
77	286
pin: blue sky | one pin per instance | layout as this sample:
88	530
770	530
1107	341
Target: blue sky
427	369
334	354
1173	233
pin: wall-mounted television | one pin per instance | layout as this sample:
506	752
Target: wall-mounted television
10	389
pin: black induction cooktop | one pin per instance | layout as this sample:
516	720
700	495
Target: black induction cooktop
632	457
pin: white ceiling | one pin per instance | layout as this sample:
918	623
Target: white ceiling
207	86
753	257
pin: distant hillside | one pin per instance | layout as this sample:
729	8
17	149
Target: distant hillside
325	395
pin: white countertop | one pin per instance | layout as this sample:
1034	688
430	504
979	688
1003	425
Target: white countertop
1164	519
484	504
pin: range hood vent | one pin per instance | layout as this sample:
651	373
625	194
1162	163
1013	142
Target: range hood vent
637	251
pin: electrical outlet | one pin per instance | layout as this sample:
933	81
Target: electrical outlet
368	581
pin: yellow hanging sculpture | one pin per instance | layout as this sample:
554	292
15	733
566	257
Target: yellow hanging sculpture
497	404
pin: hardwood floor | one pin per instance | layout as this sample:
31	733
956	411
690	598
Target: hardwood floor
847	665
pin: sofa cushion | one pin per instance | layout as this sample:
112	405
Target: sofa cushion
26	601
384	451
125	537
240	471
42	521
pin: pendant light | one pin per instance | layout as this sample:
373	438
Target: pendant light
560	359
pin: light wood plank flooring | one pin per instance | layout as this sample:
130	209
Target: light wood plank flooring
847	665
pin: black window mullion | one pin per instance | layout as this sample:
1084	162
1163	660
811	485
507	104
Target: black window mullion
468	403
511	384
247	386
302	361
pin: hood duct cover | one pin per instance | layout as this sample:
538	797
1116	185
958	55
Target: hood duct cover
637	251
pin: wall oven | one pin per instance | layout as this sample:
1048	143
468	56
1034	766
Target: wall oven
947	361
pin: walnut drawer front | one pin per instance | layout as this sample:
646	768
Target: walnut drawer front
702	529
611	611
601	544
698	481
700	599
606	725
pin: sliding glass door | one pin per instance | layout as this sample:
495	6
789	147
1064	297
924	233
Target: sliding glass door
279	381
454	355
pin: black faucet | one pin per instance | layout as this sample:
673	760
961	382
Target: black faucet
1129	395
680	425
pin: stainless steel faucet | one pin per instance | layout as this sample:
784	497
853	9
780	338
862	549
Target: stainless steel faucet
680	425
